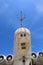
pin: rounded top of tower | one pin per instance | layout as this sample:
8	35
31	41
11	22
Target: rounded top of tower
22	30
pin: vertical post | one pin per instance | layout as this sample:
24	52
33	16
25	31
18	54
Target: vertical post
21	18
23	60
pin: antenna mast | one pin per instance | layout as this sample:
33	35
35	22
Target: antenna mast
21	18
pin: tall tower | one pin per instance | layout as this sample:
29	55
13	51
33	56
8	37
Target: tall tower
22	45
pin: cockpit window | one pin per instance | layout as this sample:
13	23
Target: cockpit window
21	35
24	34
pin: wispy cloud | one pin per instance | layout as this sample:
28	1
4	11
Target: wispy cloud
39	8
39	5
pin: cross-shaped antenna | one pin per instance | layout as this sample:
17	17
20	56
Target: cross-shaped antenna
21	19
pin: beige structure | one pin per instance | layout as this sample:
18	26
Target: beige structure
22	51
22	44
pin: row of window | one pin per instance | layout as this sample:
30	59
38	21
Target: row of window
23	45
23	35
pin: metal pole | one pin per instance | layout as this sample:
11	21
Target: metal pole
21	18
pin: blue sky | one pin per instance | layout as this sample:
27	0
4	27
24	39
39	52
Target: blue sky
33	11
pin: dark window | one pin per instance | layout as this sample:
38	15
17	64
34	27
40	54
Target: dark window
24	34
21	35
22	44
23	47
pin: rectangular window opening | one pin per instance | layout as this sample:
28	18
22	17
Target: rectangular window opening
23	47
22	44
